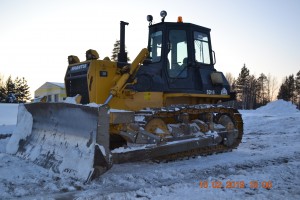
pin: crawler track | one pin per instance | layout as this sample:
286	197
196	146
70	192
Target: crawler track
187	149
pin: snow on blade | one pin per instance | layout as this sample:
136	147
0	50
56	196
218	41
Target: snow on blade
23	130
72	100
57	136
102	149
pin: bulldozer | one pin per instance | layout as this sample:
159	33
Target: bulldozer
165	105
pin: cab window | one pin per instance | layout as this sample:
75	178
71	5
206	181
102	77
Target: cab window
177	54
202	54
155	46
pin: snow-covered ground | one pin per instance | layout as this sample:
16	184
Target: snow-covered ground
265	166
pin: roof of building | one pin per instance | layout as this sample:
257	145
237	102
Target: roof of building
62	85
51	84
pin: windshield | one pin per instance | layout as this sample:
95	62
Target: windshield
201	48
155	46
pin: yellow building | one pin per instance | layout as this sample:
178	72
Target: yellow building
55	92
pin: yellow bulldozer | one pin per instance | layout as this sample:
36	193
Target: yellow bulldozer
162	106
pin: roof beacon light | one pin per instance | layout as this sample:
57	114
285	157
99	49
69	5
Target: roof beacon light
163	14
149	19
179	19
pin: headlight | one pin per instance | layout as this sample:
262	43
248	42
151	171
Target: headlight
91	54
73	59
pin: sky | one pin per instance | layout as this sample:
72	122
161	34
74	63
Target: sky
37	36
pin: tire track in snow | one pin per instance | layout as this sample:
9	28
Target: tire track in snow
192	176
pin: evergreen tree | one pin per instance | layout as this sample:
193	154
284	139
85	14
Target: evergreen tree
2	94
297	89
242	84
14	91
9	91
283	91
115	51
22	90
17	83
297	81
287	89
291	88
10	86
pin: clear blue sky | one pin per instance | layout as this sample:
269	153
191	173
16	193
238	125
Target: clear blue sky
37	36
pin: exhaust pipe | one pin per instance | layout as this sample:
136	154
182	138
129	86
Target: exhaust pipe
122	55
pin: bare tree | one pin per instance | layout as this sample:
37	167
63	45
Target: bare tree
272	87
262	88
2	91
1	80
230	78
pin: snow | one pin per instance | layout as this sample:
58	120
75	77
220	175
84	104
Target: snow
269	153
71	100
8	114
130	148
21	131
279	107
102	149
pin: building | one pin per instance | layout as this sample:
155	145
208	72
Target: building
55	92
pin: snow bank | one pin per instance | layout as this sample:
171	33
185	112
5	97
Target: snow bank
8	113
22	130
278	107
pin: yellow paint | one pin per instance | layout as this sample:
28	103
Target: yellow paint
147	96
115	80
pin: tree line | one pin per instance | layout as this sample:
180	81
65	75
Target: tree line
253	92
14	91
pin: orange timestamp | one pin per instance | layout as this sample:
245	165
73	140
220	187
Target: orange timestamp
235	184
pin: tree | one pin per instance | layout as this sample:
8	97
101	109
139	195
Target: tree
8	91
22	90
291	88
10	86
262	83
2	91
287	89
283	91
14	91
297	88
230	80
250	93
1	80
242	81
242	84
271	87
116	50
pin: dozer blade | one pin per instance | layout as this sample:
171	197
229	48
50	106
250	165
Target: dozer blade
69	139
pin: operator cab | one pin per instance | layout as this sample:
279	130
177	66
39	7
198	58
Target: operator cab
182	44
180	60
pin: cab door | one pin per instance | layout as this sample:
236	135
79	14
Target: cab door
178	71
